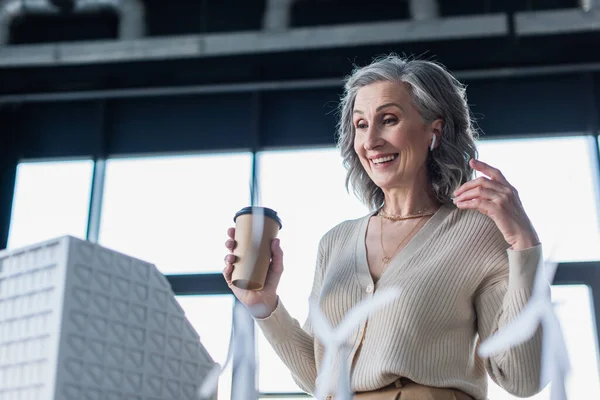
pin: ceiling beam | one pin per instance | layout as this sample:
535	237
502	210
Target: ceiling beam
471	75
557	22
230	44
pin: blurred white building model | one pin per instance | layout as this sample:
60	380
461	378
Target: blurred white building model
81	322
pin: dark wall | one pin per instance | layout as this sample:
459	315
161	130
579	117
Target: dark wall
545	105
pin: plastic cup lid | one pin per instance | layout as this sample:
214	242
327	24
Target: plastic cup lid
268	212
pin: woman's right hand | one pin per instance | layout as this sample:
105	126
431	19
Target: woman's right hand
260	303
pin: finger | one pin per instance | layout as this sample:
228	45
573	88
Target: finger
276	254
231	233
230	259
227	272
470	185
484	206
493	173
482	182
276	267
230	244
480	192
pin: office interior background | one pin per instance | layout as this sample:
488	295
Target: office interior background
144	125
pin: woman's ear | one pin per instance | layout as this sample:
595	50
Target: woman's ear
437	127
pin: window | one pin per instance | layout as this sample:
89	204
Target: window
174	211
51	199
306	188
557	186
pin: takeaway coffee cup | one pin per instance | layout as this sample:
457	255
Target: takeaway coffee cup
255	228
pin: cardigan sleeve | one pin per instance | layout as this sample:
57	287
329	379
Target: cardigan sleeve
295	344
501	297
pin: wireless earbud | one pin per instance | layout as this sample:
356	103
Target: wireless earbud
432	143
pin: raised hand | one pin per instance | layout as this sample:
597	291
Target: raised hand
261	303
493	196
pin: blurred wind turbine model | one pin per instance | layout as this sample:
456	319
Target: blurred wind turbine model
241	344
555	365
334	341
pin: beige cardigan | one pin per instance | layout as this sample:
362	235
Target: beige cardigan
459	283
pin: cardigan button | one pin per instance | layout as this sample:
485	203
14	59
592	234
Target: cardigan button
370	289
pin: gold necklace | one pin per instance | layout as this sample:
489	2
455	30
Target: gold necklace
418	214
386	259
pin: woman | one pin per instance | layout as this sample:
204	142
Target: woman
463	252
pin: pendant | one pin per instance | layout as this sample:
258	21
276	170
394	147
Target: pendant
386	260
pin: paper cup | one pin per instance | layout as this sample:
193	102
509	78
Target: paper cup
255	228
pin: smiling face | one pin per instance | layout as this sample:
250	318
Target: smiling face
391	139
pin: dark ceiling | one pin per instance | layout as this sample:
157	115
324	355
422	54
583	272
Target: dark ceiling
181	17
187	17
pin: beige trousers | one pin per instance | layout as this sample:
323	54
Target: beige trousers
408	390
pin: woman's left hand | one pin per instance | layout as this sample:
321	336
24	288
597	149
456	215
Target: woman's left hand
493	196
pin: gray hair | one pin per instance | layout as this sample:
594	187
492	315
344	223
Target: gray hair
435	94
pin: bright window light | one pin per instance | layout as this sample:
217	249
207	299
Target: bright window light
557	188
51	199
174	211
